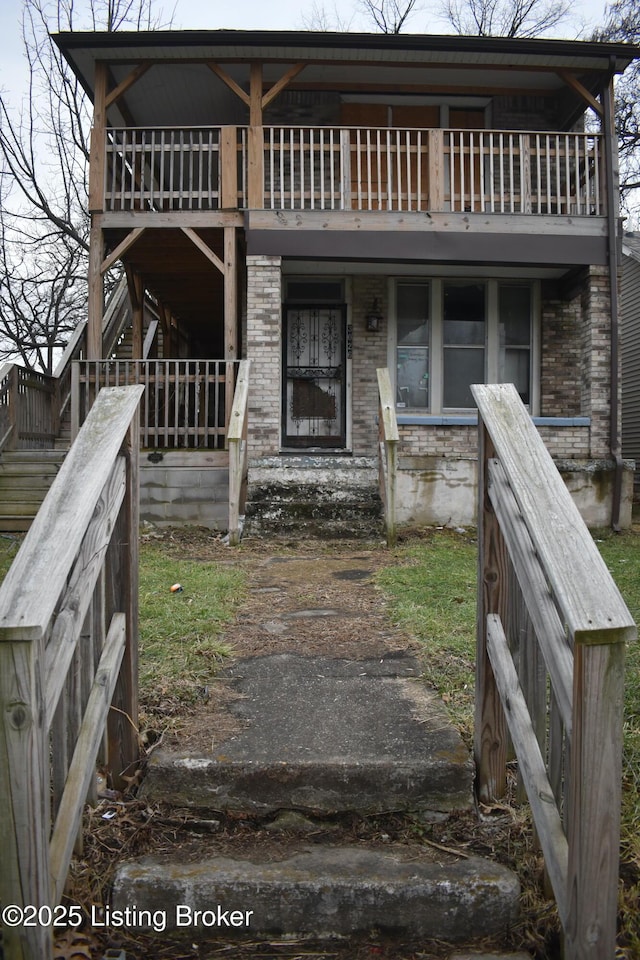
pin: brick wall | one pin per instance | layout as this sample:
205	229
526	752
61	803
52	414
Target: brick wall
264	350
369	353
560	358
596	380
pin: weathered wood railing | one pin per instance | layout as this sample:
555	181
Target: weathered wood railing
68	663
388	439
353	168
29	408
33	404
237	442
552	629
184	404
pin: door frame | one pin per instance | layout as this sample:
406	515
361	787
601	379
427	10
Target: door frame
339	443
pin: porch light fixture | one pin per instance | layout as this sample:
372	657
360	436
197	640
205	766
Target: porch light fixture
374	317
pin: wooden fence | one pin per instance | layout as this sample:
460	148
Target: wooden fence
552	629
29	408
185	403
68	663
388	439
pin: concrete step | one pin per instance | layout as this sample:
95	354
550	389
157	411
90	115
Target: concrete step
325	736
323	496
321	892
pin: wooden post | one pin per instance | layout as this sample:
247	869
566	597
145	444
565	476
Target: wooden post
345	170
436	161
13	426
24	793
95	303
136	295
594	801
97	149
490	729
229	168
255	142
122	587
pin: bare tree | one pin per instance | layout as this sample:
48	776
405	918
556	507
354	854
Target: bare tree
44	156
622	23
389	16
506	18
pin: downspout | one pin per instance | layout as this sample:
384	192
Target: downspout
612	237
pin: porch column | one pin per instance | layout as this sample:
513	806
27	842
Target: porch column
264	349
596	358
95	305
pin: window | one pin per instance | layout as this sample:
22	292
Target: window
453	333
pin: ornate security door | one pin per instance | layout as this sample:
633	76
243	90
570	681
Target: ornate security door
315	376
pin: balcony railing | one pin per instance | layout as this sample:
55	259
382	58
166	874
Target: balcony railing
364	169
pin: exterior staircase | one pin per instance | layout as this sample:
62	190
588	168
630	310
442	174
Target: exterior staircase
25	477
317	801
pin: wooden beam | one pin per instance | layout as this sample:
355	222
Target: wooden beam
229	168
121	249
127	83
136	295
97	147
202	246
255	95
230	295
95	302
579	88
230	82
284	81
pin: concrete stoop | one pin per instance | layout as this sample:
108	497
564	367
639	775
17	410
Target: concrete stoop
325	893
322	496
317	738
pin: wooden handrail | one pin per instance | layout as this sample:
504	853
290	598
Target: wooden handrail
69	596
548	608
237	443
388	452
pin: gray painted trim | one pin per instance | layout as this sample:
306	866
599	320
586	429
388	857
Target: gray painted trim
392	246
427	420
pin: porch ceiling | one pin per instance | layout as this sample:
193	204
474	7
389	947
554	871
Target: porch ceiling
180	276
180	89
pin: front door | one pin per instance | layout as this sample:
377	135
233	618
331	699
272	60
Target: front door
314	402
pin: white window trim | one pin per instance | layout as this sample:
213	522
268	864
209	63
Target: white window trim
491	346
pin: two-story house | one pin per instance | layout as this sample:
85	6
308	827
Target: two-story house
327	204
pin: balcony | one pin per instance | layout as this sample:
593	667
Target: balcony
205	169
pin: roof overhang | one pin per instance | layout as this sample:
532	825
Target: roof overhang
340	62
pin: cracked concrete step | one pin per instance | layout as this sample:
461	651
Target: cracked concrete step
323	892
324	736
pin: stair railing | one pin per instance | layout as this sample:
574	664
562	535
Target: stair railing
237	443
68	664
552	628
33	404
388	439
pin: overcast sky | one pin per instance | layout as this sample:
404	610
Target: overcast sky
242	15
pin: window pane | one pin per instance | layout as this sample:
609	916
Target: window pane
462	367
517	366
515	315
464	314
413	377
413	313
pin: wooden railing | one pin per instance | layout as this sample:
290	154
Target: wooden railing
68	663
237	442
175	168
184	405
388	439
29	408
33	404
338	168
552	629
